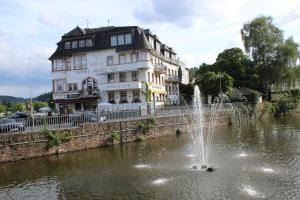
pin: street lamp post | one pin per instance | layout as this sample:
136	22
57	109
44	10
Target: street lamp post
30	93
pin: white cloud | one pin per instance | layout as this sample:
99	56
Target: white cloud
198	30
50	20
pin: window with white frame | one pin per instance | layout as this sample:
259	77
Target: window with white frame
143	55
81	43
72	87
151	41
122	77
67	45
111	97
122	59
79	62
123	97
134	57
110	78
74	44
88	43
128	38
113	40
121	40
109	60
158	47
135	76
59	85
136	96
67	64
58	64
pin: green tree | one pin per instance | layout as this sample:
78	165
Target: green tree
209	83
37	105
51	103
2	108
18	107
234	62
265	45
186	92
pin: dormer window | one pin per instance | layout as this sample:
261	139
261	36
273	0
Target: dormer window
88	43
67	45
128	38
157	47
151	41
81	43
113	41
74	44
122	39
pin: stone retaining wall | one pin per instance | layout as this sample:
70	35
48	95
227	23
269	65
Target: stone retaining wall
17	146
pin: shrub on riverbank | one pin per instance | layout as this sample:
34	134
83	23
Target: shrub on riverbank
56	138
283	105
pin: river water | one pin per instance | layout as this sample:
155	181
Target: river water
259	161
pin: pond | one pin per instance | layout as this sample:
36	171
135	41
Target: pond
259	161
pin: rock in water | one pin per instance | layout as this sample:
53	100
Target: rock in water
210	169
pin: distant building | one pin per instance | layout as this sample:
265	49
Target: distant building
185	74
112	65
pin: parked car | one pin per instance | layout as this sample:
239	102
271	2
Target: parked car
19	115
79	118
9	125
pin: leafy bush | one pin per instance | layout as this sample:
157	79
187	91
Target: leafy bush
139	137
144	126
56	138
285	105
115	136
269	108
235	95
295	93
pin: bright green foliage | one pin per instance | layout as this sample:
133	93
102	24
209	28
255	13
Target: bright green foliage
209	83
234	62
264	42
285	105
2	108
18	107
37	105
55	138
144	126
115	136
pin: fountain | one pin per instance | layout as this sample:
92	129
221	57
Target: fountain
202	141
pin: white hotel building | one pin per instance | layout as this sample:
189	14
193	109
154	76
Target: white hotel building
94	66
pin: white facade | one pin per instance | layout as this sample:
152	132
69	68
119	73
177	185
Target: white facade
137	73
92	78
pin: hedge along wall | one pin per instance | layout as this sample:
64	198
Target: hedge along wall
17	146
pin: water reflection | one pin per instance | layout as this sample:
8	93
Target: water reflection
259	161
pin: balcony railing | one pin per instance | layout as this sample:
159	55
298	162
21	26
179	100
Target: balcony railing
160	68
89	93
172	78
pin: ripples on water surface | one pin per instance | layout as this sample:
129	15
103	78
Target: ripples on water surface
257	162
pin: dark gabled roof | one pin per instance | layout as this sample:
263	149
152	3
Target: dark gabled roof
101	40
77	31
169	49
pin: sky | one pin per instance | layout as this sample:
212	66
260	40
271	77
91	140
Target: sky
198	30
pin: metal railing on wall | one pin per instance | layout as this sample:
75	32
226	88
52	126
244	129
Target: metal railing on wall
80	118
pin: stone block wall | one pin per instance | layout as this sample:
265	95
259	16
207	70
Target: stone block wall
17	146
